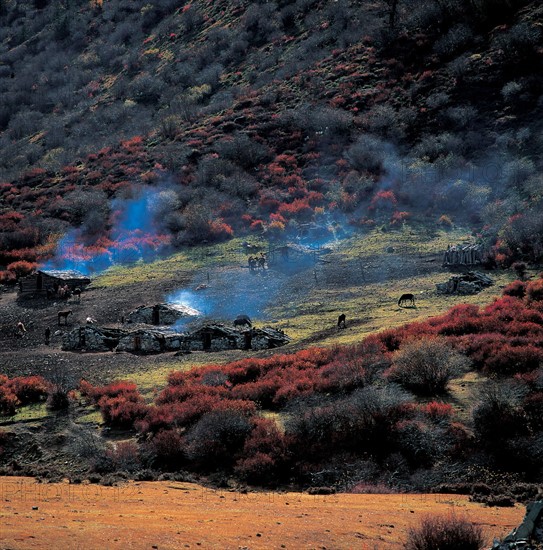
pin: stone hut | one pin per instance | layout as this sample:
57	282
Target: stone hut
266	338
216	337
92	338
161	314
143	341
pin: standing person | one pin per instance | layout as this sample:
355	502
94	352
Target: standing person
47	336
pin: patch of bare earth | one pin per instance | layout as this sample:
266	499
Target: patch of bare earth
183	515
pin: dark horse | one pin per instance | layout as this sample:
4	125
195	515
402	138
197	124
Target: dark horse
341	321
406	298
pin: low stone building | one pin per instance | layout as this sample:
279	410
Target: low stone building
211	337
215	337
267	338
92	338
161	314
142	341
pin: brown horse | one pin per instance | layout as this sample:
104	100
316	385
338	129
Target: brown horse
408	297
64	315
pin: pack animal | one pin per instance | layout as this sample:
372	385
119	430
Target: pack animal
407	298
64	315
77	292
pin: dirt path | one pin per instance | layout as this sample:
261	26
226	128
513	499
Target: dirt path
183	515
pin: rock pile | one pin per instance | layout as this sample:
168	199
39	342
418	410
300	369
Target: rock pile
529	534
471	282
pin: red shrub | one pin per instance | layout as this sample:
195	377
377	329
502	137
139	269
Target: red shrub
22	268
156	419
8	401
29	389
399	217
383	200
436	410
509	360
167	445
259	468
115	389
516	289
122	411
534	291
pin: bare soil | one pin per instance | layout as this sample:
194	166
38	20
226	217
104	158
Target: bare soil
183	515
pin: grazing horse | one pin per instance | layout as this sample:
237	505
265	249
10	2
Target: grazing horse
77	292
341	321
242	320
64	314
21	330
407	298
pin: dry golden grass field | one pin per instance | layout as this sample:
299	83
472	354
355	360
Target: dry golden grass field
183	515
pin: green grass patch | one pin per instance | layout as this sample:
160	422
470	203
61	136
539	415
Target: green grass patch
190	260
30	413
413	238
91	417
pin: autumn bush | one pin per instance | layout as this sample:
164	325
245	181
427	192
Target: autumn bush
264	458
20	391
217	439
426	366
120	402
445	533
29	389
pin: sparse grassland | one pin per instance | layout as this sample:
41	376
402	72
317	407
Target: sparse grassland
357	277
191	262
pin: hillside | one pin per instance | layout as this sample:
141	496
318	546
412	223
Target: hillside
266	117
298	163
